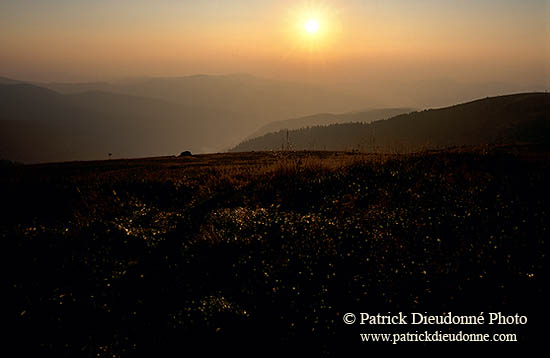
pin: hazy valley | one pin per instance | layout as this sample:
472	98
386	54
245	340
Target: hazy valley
204	114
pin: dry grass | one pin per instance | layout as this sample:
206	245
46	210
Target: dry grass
126	258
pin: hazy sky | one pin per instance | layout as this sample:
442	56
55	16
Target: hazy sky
358	40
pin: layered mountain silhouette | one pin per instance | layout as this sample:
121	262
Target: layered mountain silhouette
8	81
330	118
258	100
40	125
145	117
505	119
166	116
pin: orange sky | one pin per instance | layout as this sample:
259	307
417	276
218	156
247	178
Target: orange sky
481	40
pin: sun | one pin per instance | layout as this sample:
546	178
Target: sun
312	26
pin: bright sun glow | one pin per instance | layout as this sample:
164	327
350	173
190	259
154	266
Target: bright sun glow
313	29
312	26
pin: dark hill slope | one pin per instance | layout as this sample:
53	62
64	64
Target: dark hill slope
41	125
29	102
9	81
322	119
519	117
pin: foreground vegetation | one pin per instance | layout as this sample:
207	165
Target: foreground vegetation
267	250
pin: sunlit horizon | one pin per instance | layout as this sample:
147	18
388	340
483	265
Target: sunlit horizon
351	44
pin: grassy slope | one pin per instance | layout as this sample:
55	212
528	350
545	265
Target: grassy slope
130	257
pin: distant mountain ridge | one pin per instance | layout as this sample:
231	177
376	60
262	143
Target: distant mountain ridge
511	118
322	119
41	125
9	81
257	100
21	101
203	113
148	116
